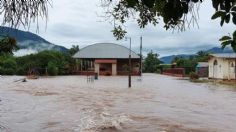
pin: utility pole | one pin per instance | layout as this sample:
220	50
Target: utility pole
130	67
141	56
235	69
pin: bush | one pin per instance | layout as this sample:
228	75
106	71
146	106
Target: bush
193	76
60	63
7	71
8	65
52	69
21	71
158	71
1	71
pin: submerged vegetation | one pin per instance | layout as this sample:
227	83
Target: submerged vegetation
45	62
42	63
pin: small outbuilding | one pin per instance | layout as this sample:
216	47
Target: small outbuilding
202	69
222	66
107	59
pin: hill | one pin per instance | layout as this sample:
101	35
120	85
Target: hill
220	50
168	59
30	41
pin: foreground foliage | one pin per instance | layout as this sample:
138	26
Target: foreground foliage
175	14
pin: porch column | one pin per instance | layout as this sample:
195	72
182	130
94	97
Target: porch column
81	64
96	68
114	69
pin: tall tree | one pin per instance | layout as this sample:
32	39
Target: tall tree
151	62
8	45
74	49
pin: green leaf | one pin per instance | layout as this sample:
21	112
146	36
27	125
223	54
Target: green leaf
218	14
224	38
222	21
132	3
233	45
233	9
234	36
234	18
225	43
227	18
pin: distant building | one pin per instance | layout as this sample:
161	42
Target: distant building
202	69
107	59
222	66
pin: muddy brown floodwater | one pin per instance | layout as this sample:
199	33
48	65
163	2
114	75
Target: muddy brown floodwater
157	103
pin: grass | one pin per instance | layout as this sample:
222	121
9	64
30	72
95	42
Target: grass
228	83
200	80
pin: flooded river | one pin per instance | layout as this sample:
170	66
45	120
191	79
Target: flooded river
157	103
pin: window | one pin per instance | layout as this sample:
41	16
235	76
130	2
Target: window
215	62
232	64
233	67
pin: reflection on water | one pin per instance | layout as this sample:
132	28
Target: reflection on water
157	103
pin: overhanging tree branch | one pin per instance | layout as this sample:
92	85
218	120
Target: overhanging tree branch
23	12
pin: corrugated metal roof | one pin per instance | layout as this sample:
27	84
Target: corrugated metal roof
225	55
105	51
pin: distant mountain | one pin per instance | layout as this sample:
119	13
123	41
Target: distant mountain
30	41
220	50
168	59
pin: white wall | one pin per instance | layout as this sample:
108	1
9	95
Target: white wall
223	69
231	70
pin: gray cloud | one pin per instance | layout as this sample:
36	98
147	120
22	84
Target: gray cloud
76	22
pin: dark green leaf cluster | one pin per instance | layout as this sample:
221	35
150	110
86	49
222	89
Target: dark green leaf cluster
225	10
173	13
228	40
150	11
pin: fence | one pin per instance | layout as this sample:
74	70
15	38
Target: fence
179	72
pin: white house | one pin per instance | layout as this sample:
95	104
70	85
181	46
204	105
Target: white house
222	66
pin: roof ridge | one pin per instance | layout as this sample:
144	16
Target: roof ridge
111	46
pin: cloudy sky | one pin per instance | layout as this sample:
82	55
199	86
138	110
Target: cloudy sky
79	22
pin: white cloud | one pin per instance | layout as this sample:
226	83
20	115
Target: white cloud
23	52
